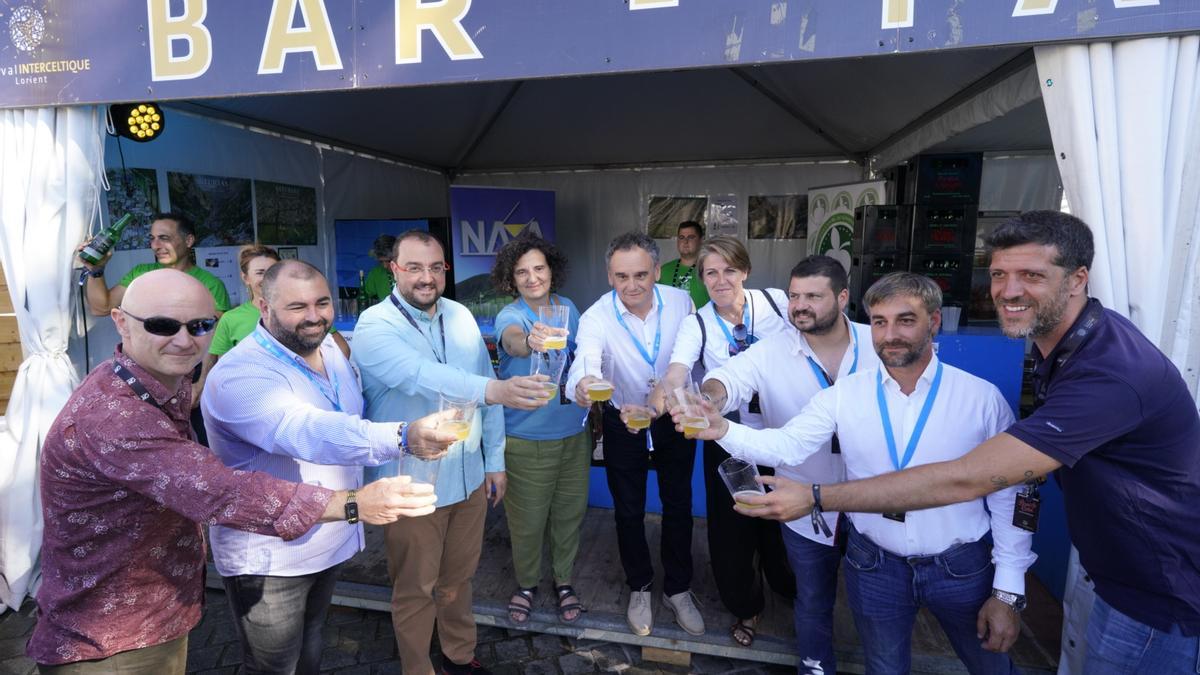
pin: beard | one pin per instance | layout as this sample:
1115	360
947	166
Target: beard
410	296
912	352
1046	317
291	337
821	323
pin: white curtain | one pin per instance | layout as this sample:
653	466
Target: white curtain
1125	121
50	173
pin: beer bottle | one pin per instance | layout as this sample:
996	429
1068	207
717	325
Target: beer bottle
98	247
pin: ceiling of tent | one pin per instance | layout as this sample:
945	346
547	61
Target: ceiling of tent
842	107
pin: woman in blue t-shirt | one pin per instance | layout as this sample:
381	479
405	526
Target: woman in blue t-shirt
548	451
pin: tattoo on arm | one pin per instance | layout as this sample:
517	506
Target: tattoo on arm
999	482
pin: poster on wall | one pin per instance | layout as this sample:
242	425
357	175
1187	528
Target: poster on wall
722	216
482	221
222	263
286	214
666	213
134	191
778	217
831	216
220	207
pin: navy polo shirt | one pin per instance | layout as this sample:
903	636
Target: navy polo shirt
1120	419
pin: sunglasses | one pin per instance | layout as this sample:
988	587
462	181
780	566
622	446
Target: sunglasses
168	327
742	340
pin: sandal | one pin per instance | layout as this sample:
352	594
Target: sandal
565	605
518	613
743	632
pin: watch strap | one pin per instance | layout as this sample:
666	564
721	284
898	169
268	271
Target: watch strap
352	506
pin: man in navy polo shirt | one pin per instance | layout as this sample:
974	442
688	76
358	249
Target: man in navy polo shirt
1115	420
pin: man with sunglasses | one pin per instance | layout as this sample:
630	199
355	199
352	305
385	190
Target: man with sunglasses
776	379
287	402
682	273
412	349
125	488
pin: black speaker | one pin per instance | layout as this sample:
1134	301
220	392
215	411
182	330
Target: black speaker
944	228
881	229
866	270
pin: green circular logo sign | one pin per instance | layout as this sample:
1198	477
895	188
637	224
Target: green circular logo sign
835	234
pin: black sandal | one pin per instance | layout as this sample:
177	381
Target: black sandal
565	592
742	632
517	613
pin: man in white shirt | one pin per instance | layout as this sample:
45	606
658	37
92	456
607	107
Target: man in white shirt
285	401
633	328
915	410
777	377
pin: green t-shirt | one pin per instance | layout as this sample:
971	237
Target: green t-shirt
213	284
688	278
234	325
378	284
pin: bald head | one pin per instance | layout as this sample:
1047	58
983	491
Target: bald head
287	269
170	294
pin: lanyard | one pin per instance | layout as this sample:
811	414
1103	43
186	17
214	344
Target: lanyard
745	322
335	400
687	276
822	378
135	384
652	359
921	419
441	327
1088	321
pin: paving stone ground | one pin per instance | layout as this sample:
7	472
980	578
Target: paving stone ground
360	642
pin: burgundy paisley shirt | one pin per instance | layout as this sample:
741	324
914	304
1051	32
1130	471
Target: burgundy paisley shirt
124	490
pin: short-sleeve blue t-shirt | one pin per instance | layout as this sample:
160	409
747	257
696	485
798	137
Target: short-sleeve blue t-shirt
1120	419
559	418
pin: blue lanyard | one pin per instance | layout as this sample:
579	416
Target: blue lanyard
652	359
822	379
441	326
725	329
271	349
528	311
921	419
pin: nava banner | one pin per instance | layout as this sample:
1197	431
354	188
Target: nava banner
482	221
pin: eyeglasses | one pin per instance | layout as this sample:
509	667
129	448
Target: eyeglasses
742	340
168	327
436	269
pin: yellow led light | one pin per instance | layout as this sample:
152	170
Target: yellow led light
132	129
155	126
156	117
142	108
144	125
141	134
150	110
130	121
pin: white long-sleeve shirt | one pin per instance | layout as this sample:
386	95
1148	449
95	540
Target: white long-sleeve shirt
967	411
777	368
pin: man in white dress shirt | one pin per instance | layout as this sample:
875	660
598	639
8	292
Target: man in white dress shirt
912	410
780	374
633	328
286	402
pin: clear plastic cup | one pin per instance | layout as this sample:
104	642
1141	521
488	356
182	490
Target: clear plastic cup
464	415
740	478
556	318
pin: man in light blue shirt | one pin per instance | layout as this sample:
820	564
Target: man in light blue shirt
410	348
287	402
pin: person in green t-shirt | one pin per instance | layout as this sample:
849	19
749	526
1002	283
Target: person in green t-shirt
379	282
682	272
172	237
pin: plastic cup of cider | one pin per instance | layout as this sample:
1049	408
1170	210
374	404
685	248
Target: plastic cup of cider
462	417
740	478
694	420
555	317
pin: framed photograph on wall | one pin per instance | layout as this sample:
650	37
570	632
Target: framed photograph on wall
288	253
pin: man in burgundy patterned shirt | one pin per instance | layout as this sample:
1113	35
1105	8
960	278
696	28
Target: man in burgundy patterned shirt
125	488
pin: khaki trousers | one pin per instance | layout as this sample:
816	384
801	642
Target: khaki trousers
168	658
431	561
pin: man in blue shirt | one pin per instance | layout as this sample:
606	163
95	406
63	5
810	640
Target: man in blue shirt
411	348
286	402
1116	423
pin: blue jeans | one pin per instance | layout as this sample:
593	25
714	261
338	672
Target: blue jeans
815	566
886	590
1118	644
279	620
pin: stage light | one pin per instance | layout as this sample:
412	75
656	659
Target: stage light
141	122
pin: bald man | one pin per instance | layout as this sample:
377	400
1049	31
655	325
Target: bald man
125	488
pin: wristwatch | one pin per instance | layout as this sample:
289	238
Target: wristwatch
351	507
97	273
1017	602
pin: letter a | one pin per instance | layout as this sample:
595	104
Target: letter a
315	36
165	29
442	18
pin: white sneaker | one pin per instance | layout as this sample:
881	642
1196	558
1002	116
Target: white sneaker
639	614
687	615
